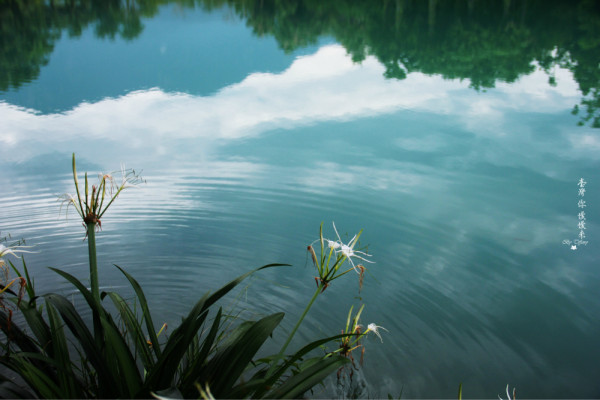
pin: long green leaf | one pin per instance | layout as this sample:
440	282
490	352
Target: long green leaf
9	390
30	288
307	378
37	325
128	370
145	311
87	294
44	386
244	389
134	329
112	362
210	338
228	287
16	335
229	363
162	375
188	387
66	378
298	355
108	379
93	302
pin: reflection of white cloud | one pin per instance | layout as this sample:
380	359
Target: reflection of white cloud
535	94
423	143
323	86
325	176
585	142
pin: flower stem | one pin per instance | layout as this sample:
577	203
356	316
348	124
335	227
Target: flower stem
91	233
94	285
289	339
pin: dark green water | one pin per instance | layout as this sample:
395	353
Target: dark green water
449	131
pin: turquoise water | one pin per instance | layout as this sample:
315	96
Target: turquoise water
465	196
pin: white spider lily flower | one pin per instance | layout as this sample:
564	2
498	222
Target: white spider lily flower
348	250
13	250
109	182
330	243
129	178
333	245
375	329
70	200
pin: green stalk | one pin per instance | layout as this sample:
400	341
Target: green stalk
289	339
91	232
94	285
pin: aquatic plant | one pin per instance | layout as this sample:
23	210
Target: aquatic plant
56	355
327	273
6	282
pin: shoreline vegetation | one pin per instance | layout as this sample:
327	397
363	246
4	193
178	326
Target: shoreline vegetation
51	352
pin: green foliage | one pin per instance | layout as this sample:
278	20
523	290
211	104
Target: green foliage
45	357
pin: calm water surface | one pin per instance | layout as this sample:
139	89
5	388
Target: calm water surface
463	173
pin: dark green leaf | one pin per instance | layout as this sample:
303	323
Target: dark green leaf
16	336
127	368
162	375
299	354
108	380
229	363
37	325
145	311
67	381
134	329
38	380
197	363
9	390
298	384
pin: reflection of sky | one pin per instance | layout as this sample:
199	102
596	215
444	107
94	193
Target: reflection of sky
325	86
420	136
189	51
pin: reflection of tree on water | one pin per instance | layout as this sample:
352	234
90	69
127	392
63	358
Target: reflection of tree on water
29	29
481	40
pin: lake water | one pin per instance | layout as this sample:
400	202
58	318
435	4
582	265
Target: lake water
445	131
